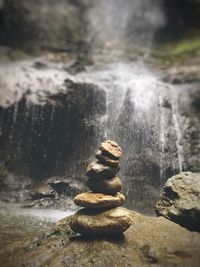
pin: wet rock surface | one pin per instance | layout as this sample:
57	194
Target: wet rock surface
180	201
100	218
108	186
97	170
47	124
54	192
106	160
149	241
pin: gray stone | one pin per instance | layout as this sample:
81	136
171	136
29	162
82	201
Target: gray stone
98	200
180	201
109	222
97	170
106	186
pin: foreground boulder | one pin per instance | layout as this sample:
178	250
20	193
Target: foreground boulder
180	201
149	241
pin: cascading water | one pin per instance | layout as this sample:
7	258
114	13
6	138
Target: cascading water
57	137
110	83
138	118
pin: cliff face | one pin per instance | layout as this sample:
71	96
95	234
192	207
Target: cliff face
52	116
51	122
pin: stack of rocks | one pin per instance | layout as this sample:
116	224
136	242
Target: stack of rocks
101	214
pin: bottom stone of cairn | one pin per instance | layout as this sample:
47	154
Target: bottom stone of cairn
92	222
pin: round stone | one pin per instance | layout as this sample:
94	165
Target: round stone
98	200
110	222
111	149
106	186
99	171
106	160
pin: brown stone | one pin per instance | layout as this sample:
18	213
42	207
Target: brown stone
110	222
106	186
111	149
99	171
106	160
149	241
98	200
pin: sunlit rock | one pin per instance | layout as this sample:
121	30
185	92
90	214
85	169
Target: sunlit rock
111	149
99	200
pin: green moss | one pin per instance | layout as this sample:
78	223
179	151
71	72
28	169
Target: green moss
183	47
186	46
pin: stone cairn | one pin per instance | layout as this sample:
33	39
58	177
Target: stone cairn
101	214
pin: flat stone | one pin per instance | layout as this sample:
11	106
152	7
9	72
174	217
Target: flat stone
106	160
99	171
110	222
111	149
106	186
98	200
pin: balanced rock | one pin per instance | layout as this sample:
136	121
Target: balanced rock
98	200
109	222
97	170
111	149
106	186
101	214
106	160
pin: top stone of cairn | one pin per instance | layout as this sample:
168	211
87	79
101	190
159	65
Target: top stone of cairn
111	149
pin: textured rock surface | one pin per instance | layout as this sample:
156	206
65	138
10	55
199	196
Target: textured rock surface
106	186
97	170
54	192
43	114
150	241
110	222
111	149
106	160
180	201
98	200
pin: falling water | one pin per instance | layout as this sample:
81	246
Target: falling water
175	116
137	118
162	138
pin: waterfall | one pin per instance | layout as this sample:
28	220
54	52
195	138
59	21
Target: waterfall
140	113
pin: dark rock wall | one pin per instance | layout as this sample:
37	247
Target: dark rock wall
52	134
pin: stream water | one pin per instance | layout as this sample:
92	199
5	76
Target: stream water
17	223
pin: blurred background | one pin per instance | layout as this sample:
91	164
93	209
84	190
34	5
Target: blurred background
76	72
